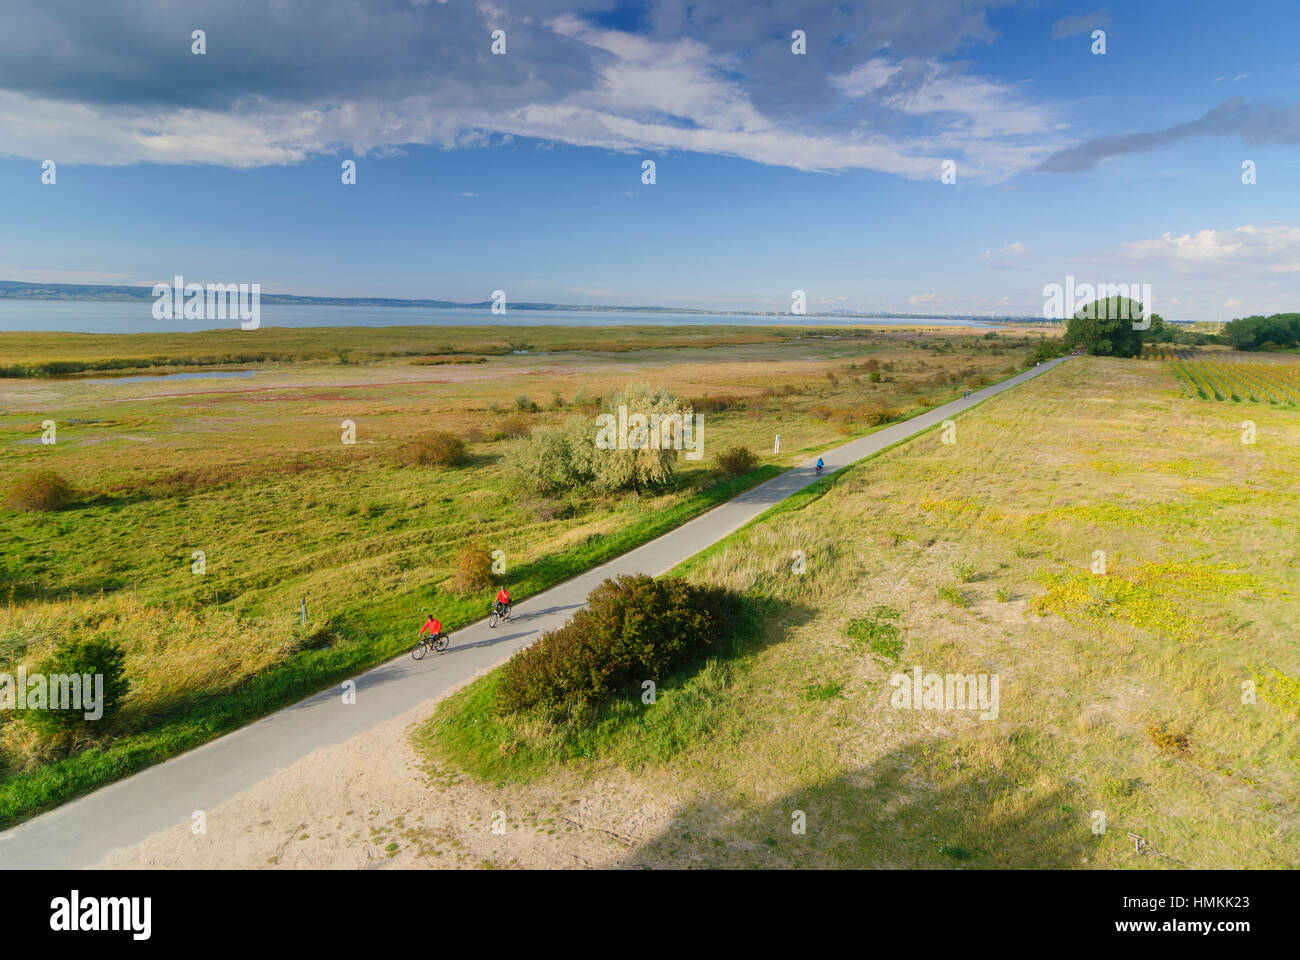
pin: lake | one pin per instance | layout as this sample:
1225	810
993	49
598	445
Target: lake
85	316
208	375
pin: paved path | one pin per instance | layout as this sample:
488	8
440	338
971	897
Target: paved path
84	831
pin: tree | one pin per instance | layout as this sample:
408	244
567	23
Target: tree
632	445
1105	328
645	457
1280	330
93	657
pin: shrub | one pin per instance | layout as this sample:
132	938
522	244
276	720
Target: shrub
964	570
524	405
953	595
1003	595
473	569
633	629
736	461
719	403
512	427
874	414
40	490
1167	740
438	449
92	656
551	461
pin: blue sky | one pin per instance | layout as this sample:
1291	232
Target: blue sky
775	172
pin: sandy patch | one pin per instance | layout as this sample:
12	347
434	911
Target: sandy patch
369	803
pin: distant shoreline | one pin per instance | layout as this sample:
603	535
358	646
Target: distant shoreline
107	293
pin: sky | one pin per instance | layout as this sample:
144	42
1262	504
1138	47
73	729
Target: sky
775	171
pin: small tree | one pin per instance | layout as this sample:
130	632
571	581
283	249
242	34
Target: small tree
92	657
473	569
439	449
736	461
645	460
40	490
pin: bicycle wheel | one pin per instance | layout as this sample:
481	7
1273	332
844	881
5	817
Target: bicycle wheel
440	642
419	651
492	620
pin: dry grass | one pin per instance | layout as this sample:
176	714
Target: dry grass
1121	692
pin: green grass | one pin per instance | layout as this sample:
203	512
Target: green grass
366	634
1120	693
253	473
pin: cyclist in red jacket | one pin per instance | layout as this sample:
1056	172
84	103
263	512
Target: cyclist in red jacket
432	626
503	597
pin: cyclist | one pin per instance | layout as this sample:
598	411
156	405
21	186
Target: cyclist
819	464
432	626
503	597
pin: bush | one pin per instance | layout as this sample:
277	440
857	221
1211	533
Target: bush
552	461
964	570
40	490
953	595
512	427
719	403
524	405
633	629
439	449
473	569
736	461
95	657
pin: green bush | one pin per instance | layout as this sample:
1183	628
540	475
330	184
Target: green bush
93	656
737	461
40	490
633	629
584	453
439	449
953	595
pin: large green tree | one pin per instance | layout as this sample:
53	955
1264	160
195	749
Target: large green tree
1106	328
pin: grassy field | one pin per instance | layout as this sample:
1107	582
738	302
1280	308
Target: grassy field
253	472
1148	698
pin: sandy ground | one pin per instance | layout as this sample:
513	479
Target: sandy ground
371	803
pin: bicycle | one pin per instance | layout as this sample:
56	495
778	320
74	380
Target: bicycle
500	613
427	643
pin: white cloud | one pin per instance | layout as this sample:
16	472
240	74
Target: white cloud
1273	247
642	94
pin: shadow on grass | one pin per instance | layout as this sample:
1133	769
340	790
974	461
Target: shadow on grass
899	812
